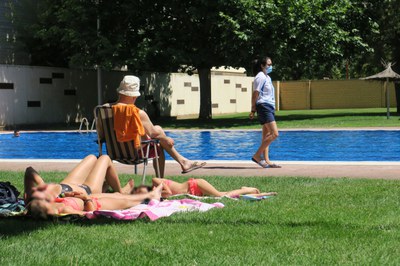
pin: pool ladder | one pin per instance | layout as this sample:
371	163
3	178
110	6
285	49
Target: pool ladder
85	121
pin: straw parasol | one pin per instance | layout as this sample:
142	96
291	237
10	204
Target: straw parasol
388	75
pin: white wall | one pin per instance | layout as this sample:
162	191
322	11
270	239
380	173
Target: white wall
72	93
56	105
179	93
231	94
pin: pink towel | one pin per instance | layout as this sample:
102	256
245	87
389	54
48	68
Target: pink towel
156	209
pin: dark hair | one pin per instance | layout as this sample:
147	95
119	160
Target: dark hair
149	188
257	64
35	210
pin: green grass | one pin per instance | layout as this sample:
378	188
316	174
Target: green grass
332	118
326	118
311	222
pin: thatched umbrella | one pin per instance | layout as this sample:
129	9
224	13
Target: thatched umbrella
387	74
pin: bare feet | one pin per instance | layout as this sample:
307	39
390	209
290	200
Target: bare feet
129	187
156	192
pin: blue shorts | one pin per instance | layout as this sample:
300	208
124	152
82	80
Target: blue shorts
265	113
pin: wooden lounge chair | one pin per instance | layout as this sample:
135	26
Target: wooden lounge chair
123	152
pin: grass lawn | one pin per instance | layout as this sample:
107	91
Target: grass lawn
327	118
310	222
332	118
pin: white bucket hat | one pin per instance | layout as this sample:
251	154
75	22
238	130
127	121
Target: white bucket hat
129	86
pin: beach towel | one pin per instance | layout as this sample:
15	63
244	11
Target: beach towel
127	124
156	209
12	209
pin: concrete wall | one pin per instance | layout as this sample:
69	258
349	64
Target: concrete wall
333	94
42	95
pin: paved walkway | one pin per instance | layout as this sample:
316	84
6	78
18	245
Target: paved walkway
382	170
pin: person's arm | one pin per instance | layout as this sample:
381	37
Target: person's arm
151	130
31	180
70	210
89	205
166	192
254	97
76	194
155	132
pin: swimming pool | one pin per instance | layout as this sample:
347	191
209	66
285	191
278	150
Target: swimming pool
332	145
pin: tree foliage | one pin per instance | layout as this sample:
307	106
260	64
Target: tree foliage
306	39
197	35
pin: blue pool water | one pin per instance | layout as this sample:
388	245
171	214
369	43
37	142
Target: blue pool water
380	145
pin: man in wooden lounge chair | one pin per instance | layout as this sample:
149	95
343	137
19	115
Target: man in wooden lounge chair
128	91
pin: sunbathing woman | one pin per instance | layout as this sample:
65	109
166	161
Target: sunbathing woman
199	187
80	203
87	177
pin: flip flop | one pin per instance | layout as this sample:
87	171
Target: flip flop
261	163
273	166
194	166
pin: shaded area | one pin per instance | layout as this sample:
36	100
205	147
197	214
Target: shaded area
19	225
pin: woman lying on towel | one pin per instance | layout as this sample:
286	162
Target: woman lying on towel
88	177
199	187
80	203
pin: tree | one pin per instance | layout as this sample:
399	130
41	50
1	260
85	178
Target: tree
199	35
307	39
151	35
312	37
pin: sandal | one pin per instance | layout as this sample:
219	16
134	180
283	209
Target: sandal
261	163
194	166
273	166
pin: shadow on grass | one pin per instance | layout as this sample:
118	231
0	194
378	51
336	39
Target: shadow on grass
13	226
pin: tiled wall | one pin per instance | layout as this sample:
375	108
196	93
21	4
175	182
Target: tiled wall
31	95
39	95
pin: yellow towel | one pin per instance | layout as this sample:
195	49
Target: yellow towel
127	123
